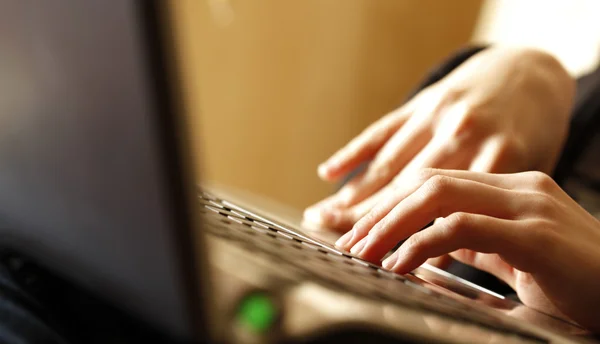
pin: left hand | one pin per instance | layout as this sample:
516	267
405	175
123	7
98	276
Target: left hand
523	228
504	110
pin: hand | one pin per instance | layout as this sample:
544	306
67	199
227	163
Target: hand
523	228
503	110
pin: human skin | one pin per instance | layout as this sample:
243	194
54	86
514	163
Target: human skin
521	227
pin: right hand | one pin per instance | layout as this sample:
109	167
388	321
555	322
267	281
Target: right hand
521	227
503	110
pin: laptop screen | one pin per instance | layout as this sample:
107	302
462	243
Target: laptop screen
83	184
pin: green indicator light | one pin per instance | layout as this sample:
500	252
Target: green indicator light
257	312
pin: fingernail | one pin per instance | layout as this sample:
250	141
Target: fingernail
344	239
390	261
323	169
356	249
313	215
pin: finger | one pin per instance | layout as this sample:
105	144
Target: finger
497	156
441	262
440	154
409	149
409	186
394	155
487	262
475	232
440	196
316	213
365	145
390	197
343	219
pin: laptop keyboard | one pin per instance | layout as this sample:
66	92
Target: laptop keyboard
314	261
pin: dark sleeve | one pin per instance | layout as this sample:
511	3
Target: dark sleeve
445	67
585	124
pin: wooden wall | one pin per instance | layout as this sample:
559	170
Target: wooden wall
273	87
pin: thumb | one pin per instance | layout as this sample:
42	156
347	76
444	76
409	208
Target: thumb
488	262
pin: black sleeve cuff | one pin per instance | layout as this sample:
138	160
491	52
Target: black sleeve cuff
447	66
585	124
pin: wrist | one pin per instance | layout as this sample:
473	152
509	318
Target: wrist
551	78
551	91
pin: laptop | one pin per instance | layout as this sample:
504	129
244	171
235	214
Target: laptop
96	187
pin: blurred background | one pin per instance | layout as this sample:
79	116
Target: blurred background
275	87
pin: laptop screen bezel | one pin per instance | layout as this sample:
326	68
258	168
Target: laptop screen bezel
173	137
